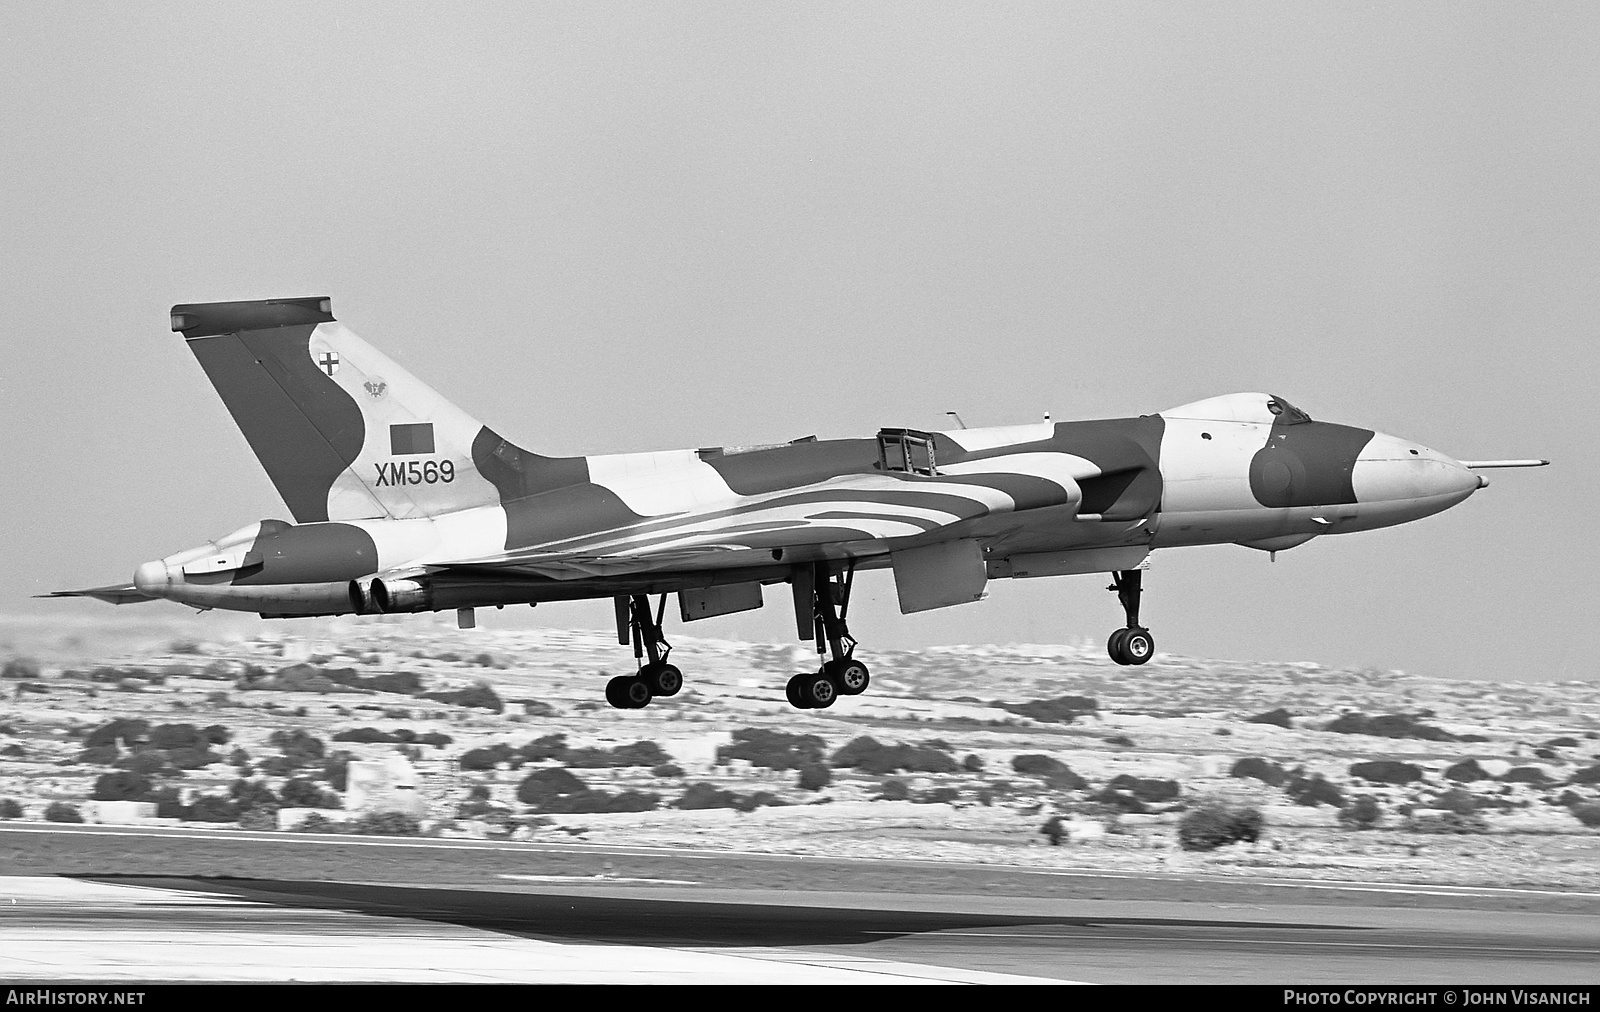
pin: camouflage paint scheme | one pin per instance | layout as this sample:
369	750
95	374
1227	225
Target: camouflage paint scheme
403	502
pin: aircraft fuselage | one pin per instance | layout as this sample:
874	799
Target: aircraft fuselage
403	502
1266	480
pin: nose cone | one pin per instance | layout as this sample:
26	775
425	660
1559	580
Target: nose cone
1392	470
153	578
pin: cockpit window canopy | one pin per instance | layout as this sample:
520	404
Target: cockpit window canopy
1260	408
1285	412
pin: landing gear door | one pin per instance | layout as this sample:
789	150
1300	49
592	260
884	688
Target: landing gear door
939	576
712	601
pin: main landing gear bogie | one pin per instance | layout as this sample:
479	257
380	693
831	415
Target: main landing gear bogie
1133	643
841	674
636	623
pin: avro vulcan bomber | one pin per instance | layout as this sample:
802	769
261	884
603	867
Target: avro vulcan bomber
402	502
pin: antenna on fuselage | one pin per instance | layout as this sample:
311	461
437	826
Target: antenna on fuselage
959	423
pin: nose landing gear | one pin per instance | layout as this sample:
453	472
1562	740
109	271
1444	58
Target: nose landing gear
1132	644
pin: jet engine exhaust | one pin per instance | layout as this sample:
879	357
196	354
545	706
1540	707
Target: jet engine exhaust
389	597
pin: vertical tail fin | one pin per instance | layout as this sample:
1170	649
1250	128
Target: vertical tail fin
342	430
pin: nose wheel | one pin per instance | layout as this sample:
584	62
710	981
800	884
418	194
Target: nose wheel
1132	644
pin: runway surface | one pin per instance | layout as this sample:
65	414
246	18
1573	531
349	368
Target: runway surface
573	926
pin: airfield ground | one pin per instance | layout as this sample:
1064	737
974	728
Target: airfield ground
1178	720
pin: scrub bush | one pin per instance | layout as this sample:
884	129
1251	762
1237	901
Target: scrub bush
1277	718
130	731
301	748
1389	725
1361	813
303	793
60	811
1466	772
703	795
481	696
815	777
1313	791
98	755
1062	710
773	750
1448	822
259	819
386	824
1456	800
551	746
1053	772
315	823
1588	814
212	808
1264	770
894	790
542	787
479	759
366	735
1213	824
1386	771
871	756
120	786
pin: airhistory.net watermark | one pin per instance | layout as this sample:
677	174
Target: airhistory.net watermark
55	996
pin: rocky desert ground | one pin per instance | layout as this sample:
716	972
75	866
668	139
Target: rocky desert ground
1030	755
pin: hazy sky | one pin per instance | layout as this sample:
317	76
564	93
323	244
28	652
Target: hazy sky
610	227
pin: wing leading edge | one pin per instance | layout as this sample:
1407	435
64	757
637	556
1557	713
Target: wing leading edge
846	510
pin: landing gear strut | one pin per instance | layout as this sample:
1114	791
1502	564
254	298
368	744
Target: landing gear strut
841	674
637	623
1132	644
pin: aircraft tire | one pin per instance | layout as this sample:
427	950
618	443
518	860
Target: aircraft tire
851	677
1114	646
818	690
792	690
1138	646
616	694
636	692
665	679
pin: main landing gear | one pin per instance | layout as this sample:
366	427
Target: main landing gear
656	677
1133	644
842	674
